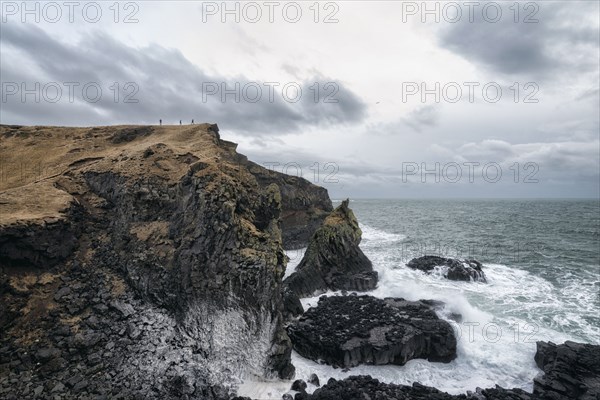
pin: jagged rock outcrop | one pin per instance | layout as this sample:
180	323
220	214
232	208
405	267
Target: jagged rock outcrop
366	387
571	371
456	270
144	262
346	331
333	259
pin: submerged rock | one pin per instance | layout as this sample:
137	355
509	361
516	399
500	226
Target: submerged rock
333	259
455	270
346	331
571	371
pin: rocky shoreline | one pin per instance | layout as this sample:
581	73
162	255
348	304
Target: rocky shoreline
570	372
151	265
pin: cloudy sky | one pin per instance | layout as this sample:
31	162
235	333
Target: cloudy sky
370	99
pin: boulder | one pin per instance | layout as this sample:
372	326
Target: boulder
455	270
571	371
333	259
346	331
313	379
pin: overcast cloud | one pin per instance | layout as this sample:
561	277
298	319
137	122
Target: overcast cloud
355	128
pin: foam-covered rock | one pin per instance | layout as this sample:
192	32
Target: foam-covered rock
456	270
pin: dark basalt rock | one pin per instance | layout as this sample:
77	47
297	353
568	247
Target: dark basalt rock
304	206
366	387
299	386
313	379
466	270
291	304
39	245
161	281
346	331
333	259
571	371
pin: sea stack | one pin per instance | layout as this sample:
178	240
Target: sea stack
333	259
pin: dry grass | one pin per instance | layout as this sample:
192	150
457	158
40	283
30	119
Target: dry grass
39	202
33	160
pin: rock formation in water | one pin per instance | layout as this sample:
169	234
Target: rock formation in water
141	262
366	387
333	259
571	372
456	270
346	331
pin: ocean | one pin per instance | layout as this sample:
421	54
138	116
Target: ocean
542	262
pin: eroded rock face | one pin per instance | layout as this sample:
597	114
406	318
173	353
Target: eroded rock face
346	331
304	206
571	371
169	285
333	259
456	270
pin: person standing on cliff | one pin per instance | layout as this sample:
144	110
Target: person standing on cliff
179	122
160	122
192	122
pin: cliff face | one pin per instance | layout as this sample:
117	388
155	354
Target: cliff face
304	205
158	248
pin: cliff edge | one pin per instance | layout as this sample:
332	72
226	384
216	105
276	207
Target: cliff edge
140	261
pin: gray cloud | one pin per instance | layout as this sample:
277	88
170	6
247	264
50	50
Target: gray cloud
422	118
556	169
534	49
170	88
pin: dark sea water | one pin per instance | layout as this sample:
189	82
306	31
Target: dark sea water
555	242
542	262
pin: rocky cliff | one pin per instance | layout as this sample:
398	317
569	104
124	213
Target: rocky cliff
304	206
333	259
142	262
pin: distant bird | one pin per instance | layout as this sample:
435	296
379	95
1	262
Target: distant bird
378	102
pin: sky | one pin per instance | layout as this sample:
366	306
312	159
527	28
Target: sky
377	99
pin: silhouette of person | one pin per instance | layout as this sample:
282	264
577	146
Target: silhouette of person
160	122
192	122
179	122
